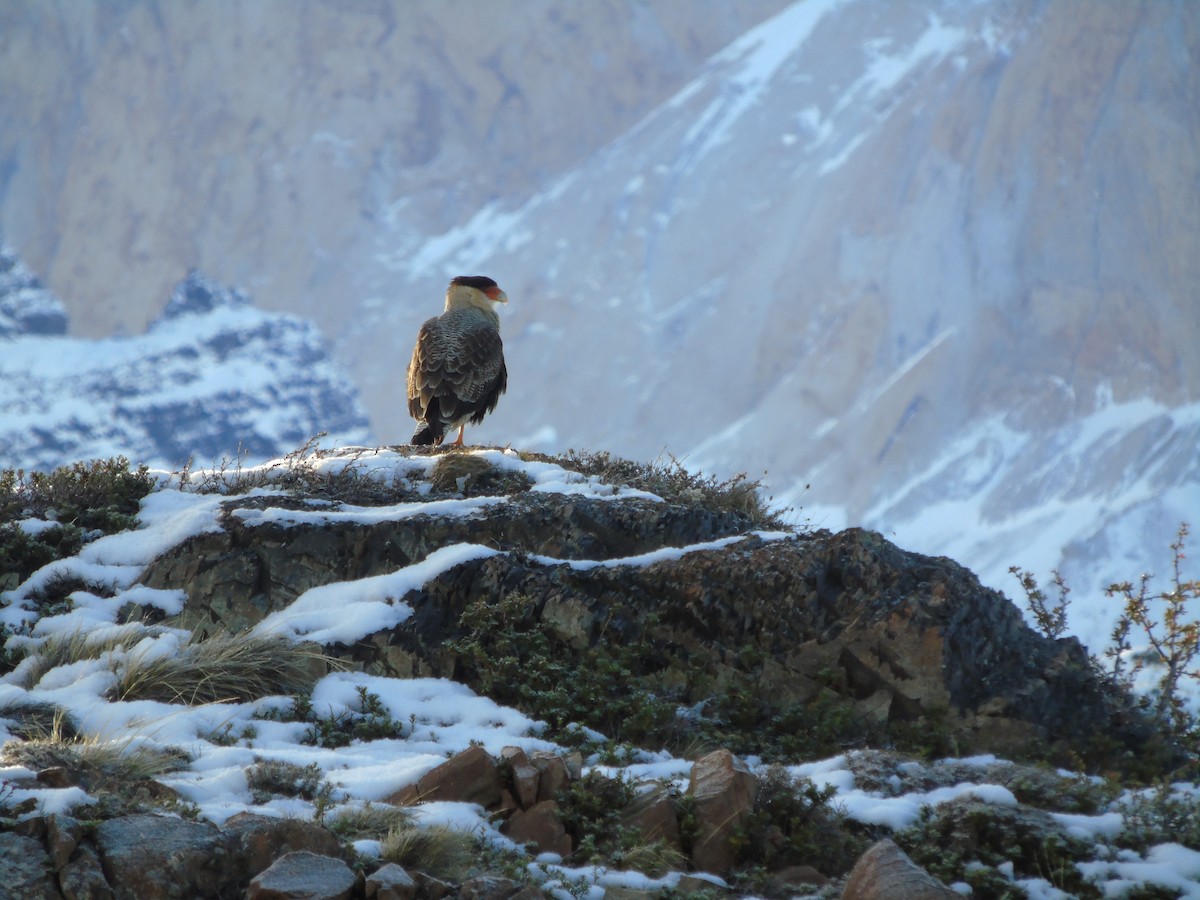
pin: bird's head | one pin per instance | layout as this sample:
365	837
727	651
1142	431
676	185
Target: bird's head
474	290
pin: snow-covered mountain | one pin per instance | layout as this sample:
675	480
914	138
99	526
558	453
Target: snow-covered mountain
26	305
212	378
931	266
936	260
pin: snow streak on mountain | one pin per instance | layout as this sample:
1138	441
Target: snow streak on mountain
213	378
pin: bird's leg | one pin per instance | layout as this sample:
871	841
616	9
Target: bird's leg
459	441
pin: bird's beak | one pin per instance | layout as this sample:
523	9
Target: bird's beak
494	293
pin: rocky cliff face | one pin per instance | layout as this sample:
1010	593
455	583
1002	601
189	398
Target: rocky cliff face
212	378
285	149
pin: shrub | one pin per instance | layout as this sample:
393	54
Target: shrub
369	722
967	840
1167	621
102	494
673	482
1174	640
1160	816
508	655
276	778
793	823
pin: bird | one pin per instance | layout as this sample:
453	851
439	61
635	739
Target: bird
457	373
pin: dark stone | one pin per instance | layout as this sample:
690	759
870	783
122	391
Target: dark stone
148	857
303	876
27	870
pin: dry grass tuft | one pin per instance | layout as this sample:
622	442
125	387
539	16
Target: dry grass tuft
66	649
97	764
223	668
370	822
438	851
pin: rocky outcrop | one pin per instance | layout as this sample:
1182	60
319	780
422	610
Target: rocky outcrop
904	641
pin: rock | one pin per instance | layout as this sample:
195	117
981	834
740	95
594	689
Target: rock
303	876
150	857
433	888
390	882
554	773
723	789
653	813
63	834
82	878
540	826
469	776
885	872
26	870
911	643
58	777
524	776
690	885
255	841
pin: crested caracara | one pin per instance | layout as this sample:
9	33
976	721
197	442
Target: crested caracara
457	371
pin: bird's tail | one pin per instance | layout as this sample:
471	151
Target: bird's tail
428	433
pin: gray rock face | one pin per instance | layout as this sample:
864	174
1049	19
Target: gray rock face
26	868
316	185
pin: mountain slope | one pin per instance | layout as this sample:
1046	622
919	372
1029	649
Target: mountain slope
936	260
212	378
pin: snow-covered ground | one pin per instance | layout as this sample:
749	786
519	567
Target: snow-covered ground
445	716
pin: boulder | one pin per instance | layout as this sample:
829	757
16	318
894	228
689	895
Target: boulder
255	841
554	773
470	776
26	868
885	872
149	857
63	834
653	814
390	882
82	878
524	777
539	826
723	790
303	876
